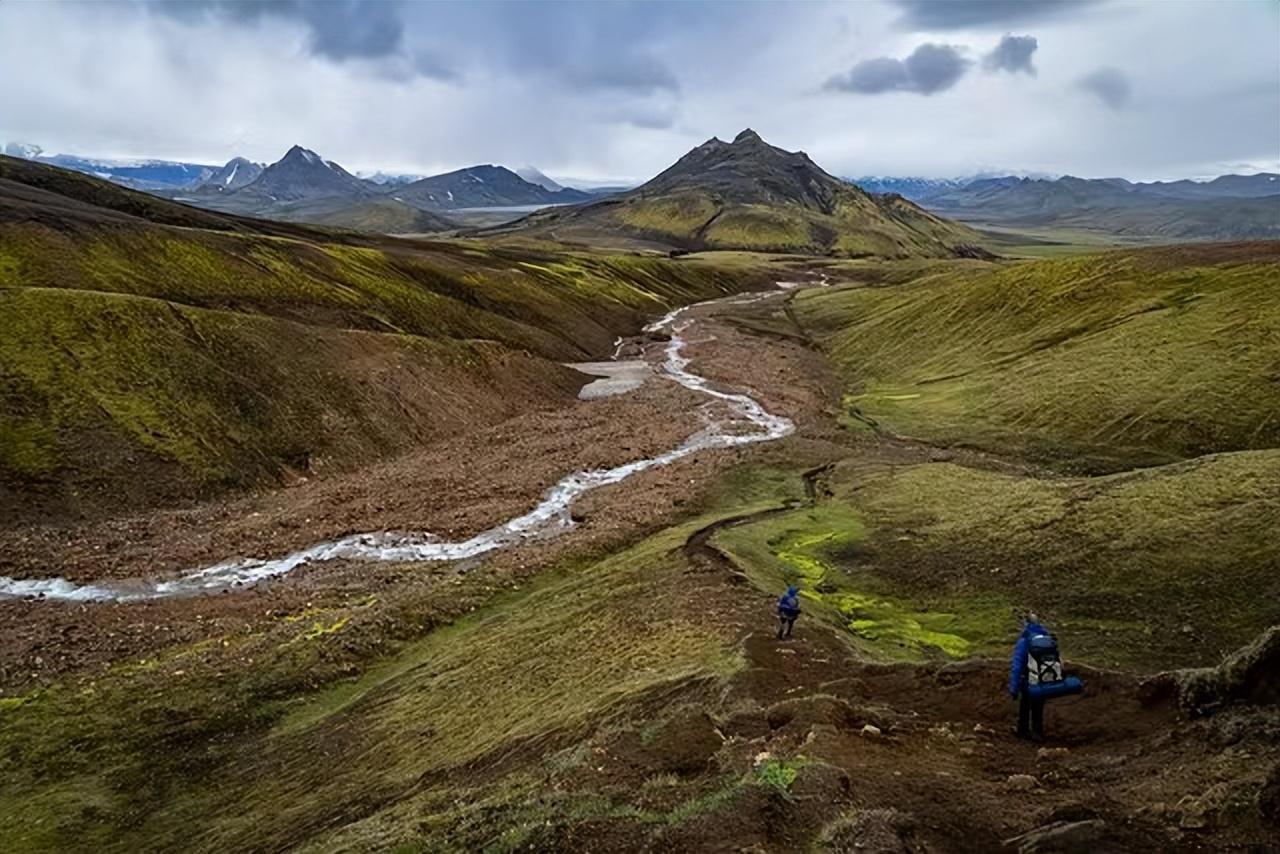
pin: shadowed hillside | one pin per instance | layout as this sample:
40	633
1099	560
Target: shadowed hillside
230	352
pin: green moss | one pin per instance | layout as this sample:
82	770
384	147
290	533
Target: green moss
779	774
886	621
679	215
27	447
821	550
761	227
1037	358
10	270
1117	564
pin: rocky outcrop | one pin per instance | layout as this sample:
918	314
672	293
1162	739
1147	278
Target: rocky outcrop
1249	675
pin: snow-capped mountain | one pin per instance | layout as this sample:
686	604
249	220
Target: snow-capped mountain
303	174
534	176
138	174
388	179
237	173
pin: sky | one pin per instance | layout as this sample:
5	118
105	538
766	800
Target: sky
1152	89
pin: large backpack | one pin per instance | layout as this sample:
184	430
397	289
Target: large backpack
1044	666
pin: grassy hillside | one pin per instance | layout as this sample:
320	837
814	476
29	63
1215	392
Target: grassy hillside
380	216
1098	362
749	195
517	687
693	219
1141	570
217	355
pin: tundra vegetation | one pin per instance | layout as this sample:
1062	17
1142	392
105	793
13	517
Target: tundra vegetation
1094	437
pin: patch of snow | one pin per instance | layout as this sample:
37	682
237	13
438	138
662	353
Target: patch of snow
450	192
234	169
308	156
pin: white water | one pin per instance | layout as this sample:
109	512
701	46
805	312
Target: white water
750	423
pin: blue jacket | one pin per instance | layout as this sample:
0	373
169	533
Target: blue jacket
789	603
1018	663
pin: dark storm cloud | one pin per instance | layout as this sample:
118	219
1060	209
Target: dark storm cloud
965	14
1013	54
612	47
338	30
930	68
1109	84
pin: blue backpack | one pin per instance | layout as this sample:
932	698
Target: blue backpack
1044	670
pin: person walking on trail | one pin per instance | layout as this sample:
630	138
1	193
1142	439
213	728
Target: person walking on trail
1035	675
788	610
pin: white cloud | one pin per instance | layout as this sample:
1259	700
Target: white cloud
620	90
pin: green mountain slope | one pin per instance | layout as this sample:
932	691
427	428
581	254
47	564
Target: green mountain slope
383	216
142	363
1097	362
750	195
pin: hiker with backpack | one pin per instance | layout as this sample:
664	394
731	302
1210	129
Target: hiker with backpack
788	610
1035	675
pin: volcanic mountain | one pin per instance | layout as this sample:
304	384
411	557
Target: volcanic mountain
303	174
748	194
481	187
238	172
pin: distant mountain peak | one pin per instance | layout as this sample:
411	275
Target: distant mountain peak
749	194
302	173
535	176
297	152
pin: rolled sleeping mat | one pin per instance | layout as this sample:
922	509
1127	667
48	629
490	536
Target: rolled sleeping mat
1049	690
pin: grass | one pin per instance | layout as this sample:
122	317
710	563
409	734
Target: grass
1120	563
761	227
1038	358
678	215
852	226
1165	567
818	549
196	748
779	774
216	399
223	360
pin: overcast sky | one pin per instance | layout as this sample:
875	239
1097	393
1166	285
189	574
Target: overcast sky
597	90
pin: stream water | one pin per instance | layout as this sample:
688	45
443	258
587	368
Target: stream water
748	422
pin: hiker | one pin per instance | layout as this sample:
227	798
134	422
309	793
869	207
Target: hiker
788	610
1035	675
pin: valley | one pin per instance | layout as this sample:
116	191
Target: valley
312	541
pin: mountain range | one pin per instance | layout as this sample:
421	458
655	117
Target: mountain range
482	187
1230	207
135	174
304	187
747	194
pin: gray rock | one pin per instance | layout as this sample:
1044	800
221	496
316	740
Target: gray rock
1021	782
